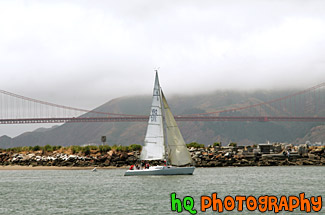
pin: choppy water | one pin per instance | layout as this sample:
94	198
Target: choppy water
109	192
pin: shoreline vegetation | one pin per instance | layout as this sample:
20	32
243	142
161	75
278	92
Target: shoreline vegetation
111	157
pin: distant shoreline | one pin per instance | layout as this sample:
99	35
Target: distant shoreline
18	167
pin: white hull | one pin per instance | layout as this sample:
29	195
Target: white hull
161	170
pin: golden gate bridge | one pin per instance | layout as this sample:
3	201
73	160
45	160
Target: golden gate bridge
305	106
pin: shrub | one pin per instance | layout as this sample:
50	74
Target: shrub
135	147
233	144
48	148
104	148
86	150
14	149
195	145
216	144
25	148
36	148
120	148
93	147
56	148
75	149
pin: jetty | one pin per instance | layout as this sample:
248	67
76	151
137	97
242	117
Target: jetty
212	156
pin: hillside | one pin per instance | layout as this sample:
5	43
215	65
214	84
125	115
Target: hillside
316	134
125	133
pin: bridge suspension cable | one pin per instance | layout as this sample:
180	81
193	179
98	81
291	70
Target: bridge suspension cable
305	105
63	107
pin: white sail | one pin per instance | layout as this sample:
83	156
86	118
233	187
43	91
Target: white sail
154	148
177	150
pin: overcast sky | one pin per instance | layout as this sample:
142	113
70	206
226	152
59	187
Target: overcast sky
84	53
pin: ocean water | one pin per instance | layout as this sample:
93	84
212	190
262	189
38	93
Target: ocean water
109	192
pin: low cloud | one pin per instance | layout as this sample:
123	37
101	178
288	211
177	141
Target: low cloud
83	53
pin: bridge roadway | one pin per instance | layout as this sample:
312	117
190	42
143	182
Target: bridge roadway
177	118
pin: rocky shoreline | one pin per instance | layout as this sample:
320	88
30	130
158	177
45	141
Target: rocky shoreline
211	158
203	157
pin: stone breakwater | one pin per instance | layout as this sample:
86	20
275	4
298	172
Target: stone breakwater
40	158
203	157
223	157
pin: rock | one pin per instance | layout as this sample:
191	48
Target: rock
311	156
307	162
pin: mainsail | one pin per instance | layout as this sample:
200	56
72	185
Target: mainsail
154	148
177	150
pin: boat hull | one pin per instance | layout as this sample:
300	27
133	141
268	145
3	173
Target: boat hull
161	170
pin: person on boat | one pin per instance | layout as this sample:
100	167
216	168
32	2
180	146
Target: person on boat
137	166
147	165
132	167
143	165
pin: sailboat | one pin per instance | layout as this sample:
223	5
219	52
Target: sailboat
163	141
